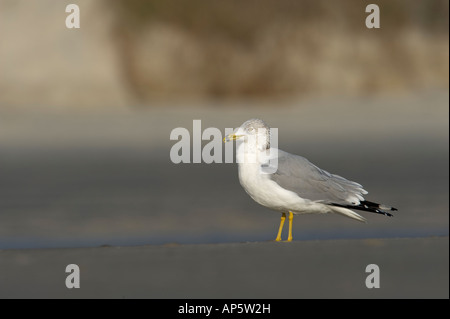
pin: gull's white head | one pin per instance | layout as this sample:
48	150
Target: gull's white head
253	131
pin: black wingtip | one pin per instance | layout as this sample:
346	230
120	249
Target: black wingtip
370	207
382	212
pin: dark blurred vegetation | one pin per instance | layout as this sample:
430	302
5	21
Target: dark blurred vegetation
243	20
260	48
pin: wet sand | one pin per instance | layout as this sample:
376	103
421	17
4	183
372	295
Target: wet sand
409	268
74	178
71	179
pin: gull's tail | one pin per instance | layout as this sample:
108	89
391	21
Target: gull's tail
370	207
347	212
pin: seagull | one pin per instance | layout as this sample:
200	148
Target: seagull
290	184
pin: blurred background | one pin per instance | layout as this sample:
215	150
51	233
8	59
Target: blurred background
86	114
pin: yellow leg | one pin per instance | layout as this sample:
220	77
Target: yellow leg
283	218
291	218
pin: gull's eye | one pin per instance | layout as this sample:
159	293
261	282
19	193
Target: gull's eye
250	129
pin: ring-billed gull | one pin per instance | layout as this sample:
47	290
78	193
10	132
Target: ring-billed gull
289	183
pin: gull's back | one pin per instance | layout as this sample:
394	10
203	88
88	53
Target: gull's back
297	174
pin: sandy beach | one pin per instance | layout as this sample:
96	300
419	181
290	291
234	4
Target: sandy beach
76	179
70	180
409	268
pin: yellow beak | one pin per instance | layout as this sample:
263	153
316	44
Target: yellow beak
231	137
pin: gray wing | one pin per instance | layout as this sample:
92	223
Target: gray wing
297	174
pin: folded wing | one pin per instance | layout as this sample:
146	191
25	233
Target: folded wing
297	174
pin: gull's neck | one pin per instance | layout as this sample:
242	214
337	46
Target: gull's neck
246	153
